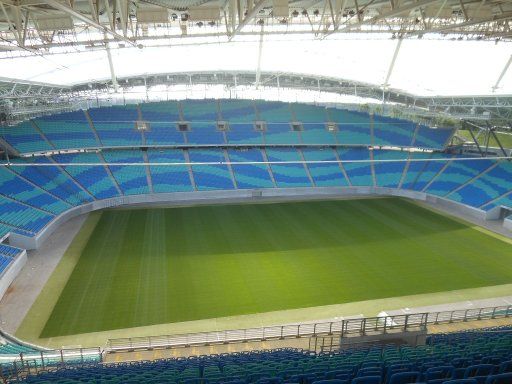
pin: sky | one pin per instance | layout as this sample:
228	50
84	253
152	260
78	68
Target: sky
424	67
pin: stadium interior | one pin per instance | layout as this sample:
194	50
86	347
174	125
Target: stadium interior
256	191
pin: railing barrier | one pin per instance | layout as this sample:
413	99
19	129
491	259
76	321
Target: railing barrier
346	328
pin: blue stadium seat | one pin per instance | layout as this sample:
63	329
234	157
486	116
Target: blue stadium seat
210	176
357	164
354	128
456	174
90	173
404	378
438	374
25	138
479	372
389	173
238	111
291	174
433	138
204	133
324	174
250	175
388	131
132	179
68	130
115	125
169	178
162	119
367	380
200	110
502	378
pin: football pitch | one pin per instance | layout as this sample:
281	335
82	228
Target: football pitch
164	265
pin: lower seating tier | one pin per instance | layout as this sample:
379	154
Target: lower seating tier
481	357
33	191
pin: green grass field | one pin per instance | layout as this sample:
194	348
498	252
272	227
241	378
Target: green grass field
152	266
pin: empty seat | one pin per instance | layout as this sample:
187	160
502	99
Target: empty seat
367	380
502	378
404	378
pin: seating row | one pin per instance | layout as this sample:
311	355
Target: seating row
216	122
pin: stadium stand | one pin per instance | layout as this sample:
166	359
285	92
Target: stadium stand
250	175
359	172
68	130
482	356
432	138
325	174
94	179
210	176
116	126
162	118
204	134
326	147
51	179
7	255
418	161
25	138
169	178
354	128
489	185
243	133
18	189
288	174
390	131
8	348
457	173
238	111
389	173
132	179
436	164
199	110
42	192
23	217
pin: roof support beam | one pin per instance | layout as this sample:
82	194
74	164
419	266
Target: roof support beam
70	11
469	23
391	13
258	6
14	27
122	6
111	66
502	74
392	65
258	68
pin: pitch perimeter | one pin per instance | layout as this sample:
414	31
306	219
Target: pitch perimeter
152	266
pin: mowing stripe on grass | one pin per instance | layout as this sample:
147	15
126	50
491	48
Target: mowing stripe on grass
40	311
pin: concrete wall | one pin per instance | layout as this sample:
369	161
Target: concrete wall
11	272
507	223
457	207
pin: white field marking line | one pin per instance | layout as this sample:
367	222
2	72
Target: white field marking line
254	162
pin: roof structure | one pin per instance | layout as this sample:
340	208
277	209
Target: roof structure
25	99
448	57
40	25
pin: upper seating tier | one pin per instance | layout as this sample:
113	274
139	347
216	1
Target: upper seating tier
163	124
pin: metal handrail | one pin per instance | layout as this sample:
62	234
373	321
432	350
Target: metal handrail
347	327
